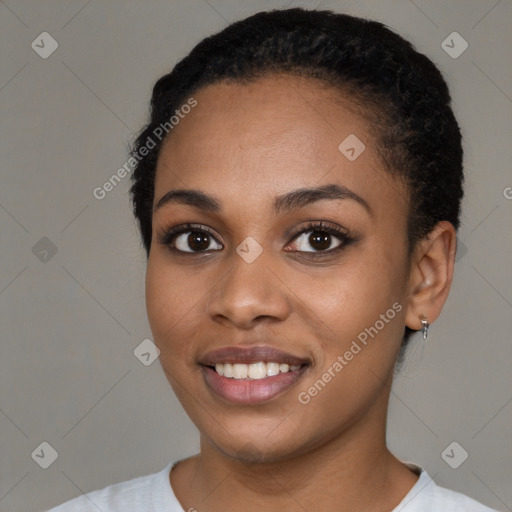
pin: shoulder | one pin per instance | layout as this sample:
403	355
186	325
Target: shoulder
452	501
113	498
427	496
139	494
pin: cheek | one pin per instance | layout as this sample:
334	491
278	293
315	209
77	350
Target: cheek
170	300
158	297
354	302
350	294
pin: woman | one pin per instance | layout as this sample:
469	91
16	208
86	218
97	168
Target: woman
298	192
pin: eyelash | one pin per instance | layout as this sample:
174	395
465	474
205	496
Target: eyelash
170	234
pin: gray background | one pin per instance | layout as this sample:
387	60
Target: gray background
70	321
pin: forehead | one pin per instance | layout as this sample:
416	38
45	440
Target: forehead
256	140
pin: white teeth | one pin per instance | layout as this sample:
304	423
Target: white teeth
272	369
228	370
240	371
255	371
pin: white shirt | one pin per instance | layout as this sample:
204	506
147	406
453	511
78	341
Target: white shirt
153	493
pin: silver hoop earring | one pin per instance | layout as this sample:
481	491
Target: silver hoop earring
424	327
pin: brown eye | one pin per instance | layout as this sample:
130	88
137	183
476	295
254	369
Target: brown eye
195	241
198	241
189	239
318	240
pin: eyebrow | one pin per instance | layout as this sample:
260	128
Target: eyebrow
291	200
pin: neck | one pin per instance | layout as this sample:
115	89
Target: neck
354	471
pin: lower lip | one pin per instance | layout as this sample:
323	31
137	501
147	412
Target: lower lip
249	392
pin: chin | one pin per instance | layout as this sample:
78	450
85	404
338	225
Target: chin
259	446
254	452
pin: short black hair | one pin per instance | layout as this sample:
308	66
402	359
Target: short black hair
399	90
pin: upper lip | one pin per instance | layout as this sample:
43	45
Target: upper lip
248	355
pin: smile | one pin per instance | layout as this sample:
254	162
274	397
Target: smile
254	371
251	375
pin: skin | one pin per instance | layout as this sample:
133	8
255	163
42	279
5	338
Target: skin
245	145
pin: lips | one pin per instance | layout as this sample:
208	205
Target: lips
248	355
239	387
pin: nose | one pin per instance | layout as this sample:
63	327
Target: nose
248	294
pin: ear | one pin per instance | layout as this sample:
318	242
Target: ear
431	274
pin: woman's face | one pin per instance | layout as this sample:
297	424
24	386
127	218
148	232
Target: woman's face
257	280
